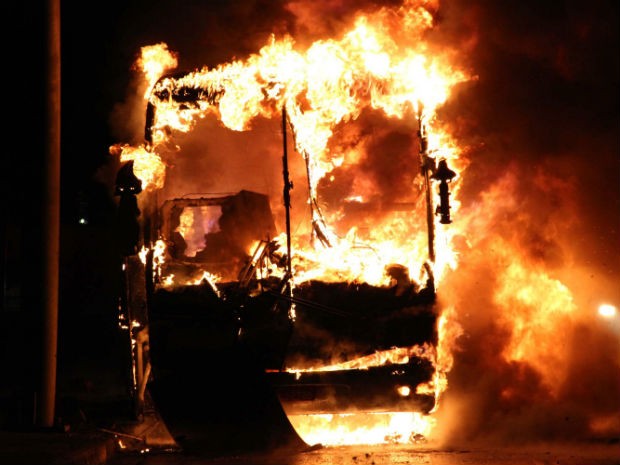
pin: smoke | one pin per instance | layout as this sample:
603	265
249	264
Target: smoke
541	216
545	99
534	362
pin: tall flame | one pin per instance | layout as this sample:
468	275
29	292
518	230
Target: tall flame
382	64
330	82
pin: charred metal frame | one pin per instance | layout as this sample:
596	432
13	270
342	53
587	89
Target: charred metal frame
288	185
188	95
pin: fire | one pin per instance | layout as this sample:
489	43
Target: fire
534	308
395	356
384	427
449	333
607	311
381	65
188	231
363	428
168	279
329	83
148	166
531	299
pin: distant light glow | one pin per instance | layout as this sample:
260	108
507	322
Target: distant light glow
83	221
607	311
404	390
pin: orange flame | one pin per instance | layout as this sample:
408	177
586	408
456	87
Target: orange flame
449	332
394	356
363	428
148	166
369	68
154	60
330	82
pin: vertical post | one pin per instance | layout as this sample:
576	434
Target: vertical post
287	193
426	165
51	219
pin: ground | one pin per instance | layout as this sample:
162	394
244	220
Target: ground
548	454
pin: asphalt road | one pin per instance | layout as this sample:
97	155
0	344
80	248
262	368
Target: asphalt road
549	454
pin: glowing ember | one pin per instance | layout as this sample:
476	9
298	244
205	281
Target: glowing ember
531	299
154	61
143	254
449	333
148	167
381	69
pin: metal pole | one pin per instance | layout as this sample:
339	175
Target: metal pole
51	219
425	162
287	193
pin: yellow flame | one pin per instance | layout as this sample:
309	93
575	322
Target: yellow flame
607	310
362	428
143	253
148	166
154	60
329	82
394	356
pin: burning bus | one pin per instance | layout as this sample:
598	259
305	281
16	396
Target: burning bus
226	300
